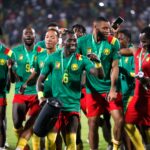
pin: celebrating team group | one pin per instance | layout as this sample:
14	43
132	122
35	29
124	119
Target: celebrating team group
102	74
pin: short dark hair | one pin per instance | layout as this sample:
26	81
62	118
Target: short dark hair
52	24
52	29
79	26
146	30
66	33
100	18
126	32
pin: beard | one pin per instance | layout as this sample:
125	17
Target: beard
100	36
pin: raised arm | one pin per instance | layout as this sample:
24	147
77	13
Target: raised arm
128	51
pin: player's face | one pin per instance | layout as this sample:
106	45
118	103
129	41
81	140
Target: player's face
78	32
28	36
123	40
70	43
145	42
102	27
51	39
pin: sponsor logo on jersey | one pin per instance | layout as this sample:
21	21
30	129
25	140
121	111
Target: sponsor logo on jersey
21	57
106	51
2	62
57	65
74	67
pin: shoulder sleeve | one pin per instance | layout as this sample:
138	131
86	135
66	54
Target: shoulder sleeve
40	44
80	45
115	46
47	65
35	63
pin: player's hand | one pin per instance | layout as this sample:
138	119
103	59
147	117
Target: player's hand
112	95
10	63
22	89
93	57
42	101
114	31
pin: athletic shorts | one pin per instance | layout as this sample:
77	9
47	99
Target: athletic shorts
31	101
138	111
83	100
96	104
3	102
63	119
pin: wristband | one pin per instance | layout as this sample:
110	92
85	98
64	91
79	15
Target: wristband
40	94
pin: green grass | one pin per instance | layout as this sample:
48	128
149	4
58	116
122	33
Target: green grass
12	139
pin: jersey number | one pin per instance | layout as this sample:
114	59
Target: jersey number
27	67
65	78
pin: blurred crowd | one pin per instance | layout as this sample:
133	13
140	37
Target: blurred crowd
16	14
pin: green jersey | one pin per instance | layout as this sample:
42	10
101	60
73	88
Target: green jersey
38	64
127	79
5	54
24	60
66	78
107	51
40	44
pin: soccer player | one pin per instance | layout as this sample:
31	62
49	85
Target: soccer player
7	58
51	40
102	94
126	66
138	111
79	30
126	69
42	44
66	68
28	101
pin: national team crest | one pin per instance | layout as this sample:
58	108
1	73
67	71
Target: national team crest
57	65
2	62
41	64
74	67
106	51
21	57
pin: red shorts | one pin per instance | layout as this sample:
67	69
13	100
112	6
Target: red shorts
31	101
83	100
96	104
3	102
63	119
138	111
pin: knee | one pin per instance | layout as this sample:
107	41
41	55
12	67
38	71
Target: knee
119	122
93	122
